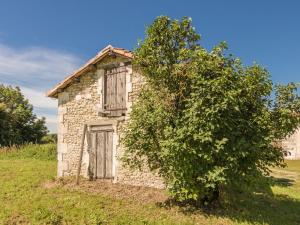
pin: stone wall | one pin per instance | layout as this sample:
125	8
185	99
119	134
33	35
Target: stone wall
80	103
145	178
291	146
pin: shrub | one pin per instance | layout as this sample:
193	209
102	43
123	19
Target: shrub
49	138
204	120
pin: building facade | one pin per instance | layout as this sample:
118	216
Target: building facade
99	95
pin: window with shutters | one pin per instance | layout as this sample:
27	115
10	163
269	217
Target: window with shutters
115	91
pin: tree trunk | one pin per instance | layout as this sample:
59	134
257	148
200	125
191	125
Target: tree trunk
211	197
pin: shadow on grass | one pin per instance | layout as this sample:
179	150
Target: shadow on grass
257	205
283	182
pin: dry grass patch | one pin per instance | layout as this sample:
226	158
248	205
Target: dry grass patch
141	195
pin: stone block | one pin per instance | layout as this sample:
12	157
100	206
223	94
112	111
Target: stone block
63	128
62	110
61	118
129	87
62	147
59	156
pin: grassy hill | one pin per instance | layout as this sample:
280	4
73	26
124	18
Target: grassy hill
30	194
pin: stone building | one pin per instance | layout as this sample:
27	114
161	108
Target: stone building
291	146
99	94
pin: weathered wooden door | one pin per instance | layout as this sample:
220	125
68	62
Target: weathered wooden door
101	154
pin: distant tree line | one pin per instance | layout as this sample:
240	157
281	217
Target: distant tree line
49	139
18	123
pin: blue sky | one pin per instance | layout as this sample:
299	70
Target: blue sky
41	42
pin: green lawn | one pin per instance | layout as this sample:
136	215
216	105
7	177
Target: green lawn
24	199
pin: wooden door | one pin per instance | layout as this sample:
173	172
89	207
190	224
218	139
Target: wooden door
101	155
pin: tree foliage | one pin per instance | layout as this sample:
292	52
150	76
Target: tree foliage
49	139
18	124
204	120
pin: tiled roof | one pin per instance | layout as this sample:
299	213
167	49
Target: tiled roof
104	52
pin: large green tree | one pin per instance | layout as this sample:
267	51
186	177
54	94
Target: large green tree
18	124
204	120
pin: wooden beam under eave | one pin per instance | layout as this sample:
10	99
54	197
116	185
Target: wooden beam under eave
93	67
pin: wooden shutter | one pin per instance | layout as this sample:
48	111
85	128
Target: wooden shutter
115	91
110	89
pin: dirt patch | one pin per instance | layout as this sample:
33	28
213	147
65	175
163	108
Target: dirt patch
16	219
109	189
50	184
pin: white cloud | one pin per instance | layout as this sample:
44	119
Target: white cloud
35	67
43	107
38	99
36	70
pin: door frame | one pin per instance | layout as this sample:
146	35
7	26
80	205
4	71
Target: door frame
104	125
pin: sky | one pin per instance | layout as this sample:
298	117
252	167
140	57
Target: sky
41	42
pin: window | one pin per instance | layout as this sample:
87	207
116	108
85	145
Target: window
115	91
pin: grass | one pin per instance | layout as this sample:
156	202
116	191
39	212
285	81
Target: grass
29	151
27	196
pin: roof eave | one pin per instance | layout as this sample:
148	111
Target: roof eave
53	93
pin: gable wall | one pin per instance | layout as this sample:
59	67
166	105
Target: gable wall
292	145
80	103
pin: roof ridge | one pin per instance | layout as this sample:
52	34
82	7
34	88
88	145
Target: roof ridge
108	47
124	49
120	51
